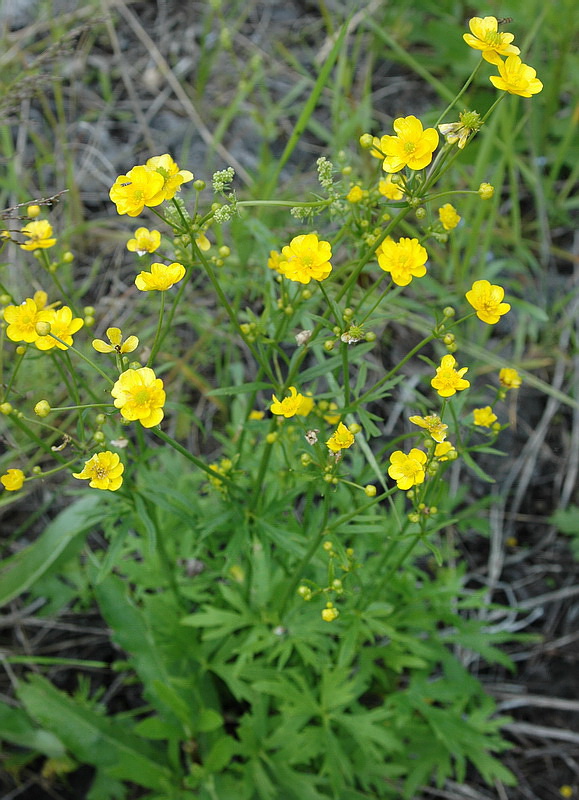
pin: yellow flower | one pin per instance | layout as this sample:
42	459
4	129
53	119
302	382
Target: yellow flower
306	257
355	194
486	299
12	480
22	320
485	37
509	378
39	235
412	147
160	278
404	259
274	260
407	470
448	380
145	241
104	470
202	242
458	132
433	424
516	78
329	613
63	325
289	406
566	790
484	417
116	345
330	418
448	216
390	190
139	395
341	439
444	451
172	176
140	187
256	415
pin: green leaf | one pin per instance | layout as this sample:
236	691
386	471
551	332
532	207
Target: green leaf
220	754
94	739
474	467
62	539
242	388
16	727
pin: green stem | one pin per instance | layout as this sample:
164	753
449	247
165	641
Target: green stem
84	358
157	340
468	82
17	366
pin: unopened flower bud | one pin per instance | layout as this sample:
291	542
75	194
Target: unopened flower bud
68	257
6	409
89	321
98	436
354	428
37	470
33	211
42	408
306	294
100	419
486	191
42	328
448	338
88	311
370	336
271	438
420	213
5	299
329	614
224	251
370	490
366	141
329	345
199	185
448	311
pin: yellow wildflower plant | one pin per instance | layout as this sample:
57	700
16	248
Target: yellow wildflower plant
139	395
22	320
62	325
173	177
140	187
104	471
306	258
404	259
412	147
445	451
509	378
390	190
160	278
407	470
115	337
39	235
516	78
144	241
341	439
13	480
289	406
448	216
433	424
484	417
485	36
487	300
449	380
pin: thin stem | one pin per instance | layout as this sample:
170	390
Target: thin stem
452	103
157	340
84	358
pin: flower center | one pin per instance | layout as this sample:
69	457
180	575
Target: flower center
409	147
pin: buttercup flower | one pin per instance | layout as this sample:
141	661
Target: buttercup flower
486	299
140	187
172	176
274	260
484	36
160	278
509	378
389	190
341	439
404	259
22	320
145	241
433	424
484	417
458	132
63	325
448	380
104	470
139	395
12	480
117	345
255	414
407	470
448	216
289	406
39	235
516	78
306	257
355	194
445	451
305	406
412	147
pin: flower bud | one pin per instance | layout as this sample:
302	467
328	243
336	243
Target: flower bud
448	311
98	436
420	213
33	211
354	428
199	185
42	408
6	409
329	345
271	438
370	336
68	257
366	141
370	490
486	191
42	328
224	251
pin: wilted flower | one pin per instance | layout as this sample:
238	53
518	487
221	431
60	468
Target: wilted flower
433	424
389	189
445	451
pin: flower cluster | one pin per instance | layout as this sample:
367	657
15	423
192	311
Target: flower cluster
33	321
